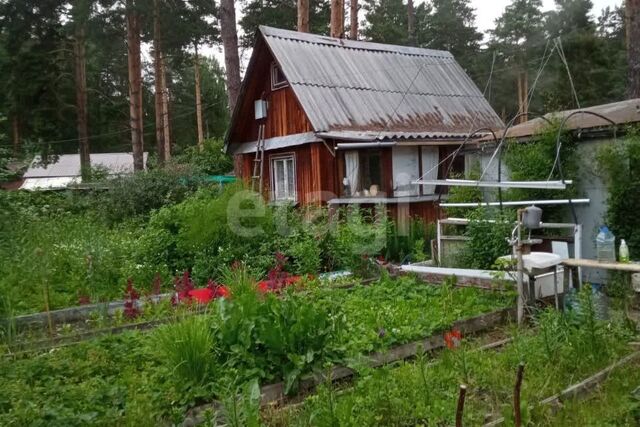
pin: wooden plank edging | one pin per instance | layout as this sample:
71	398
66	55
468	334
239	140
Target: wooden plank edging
578	389
273	393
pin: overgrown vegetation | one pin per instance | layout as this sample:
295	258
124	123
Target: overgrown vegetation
620	163
412	394
537	160
158	223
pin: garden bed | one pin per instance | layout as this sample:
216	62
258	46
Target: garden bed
110	379
561	351
275	393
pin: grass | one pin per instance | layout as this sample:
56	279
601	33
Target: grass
187	346
614	403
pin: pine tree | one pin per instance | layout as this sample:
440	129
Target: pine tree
450	26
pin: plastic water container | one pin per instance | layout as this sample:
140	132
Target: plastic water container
606	245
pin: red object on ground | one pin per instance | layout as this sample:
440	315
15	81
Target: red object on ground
453	338
202	295
208	294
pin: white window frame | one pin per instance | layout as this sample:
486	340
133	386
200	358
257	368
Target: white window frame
288	198
275	85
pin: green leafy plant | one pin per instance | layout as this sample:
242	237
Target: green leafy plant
487	232
188	346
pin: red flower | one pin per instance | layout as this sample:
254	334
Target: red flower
131	310
453	338
182	285
218	291
157	284
202	296
263	286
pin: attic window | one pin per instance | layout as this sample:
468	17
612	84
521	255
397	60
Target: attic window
278	80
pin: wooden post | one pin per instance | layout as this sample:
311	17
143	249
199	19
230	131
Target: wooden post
303	16
520	270
460	408
337	18
516	395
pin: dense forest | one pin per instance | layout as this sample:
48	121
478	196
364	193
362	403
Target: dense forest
128	75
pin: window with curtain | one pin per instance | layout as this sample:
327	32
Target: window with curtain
406	169
363	173
430	160
283	179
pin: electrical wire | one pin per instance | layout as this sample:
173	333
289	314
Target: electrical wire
91	137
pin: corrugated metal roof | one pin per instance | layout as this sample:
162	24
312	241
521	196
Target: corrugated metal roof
352	135
346	85
57	183
275	143
68	165
621	113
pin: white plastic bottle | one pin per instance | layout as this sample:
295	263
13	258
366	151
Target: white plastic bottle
623	252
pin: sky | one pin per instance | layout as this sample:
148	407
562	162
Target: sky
488	10
486	13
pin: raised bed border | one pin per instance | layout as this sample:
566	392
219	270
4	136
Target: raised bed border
274	393
578	389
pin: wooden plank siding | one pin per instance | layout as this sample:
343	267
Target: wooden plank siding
315	171
284	113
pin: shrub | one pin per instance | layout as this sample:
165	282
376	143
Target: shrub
487	240
535	160
211	160
620	163
138	194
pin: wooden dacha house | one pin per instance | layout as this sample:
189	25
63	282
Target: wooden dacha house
326	120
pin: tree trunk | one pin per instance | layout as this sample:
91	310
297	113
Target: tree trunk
196	69
15	130
82	115
525	95
303	16
520	100
353	16
632	8
81	10
165	110
337	18
135	85
411	23
157	69
229	35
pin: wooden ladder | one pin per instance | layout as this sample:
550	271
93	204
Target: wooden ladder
258	162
